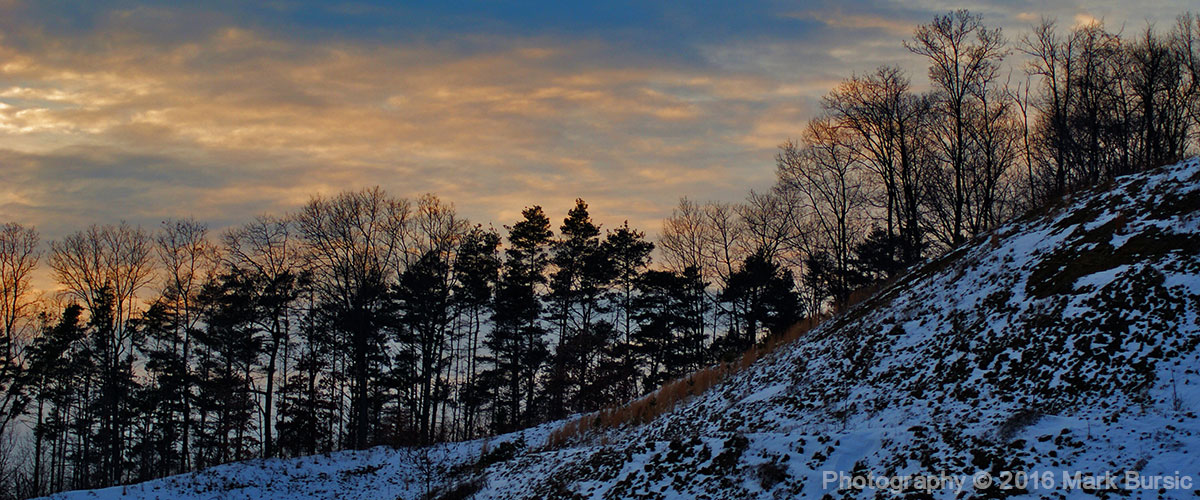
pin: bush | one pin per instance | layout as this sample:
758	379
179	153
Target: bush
459	491
770	474
1016	422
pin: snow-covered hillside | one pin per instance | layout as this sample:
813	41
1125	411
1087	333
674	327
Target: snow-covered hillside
1068	341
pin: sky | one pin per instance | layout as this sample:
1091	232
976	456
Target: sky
225	110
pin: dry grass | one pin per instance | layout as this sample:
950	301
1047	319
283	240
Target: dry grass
647	408
667	397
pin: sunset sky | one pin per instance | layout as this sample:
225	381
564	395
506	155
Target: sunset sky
224	110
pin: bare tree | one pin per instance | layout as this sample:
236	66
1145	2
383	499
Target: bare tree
354	246
994	135
683	237
270	252
964	55
435	227
770	223
116	258
890	122
1051	60
726	244
825	174
188	259
1158	81
1187	44
19	256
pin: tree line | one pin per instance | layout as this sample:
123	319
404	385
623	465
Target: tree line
886	175
366	319
363	319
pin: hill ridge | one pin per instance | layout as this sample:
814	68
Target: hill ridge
1064	341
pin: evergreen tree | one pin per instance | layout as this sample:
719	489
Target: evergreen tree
49	378
669	340
765	293
517	343
476	271
112	405
162	403
423	300
581	273
230	345
629	253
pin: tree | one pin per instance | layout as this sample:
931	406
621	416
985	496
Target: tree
106	267
1051	60
890	123
1186	40
49	378
683	244
875	257
1158	84
231	344
770	222
994	135
669	341
163	404
581	273
188	259
354	247
683	237
307	406
766	294
476	271
833	186
268	252
437	229
423	303
116	258
516	344
724	248
629	254
19	256
964	55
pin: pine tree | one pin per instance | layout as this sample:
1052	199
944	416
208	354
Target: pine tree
517	343
668	341
423	300
231	344
629	253
476	271
765	293
49	379
163	401
582	273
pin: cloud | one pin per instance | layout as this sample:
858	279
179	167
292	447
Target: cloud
242	122
837	18
141	113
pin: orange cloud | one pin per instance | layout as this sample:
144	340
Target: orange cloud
241	123
839	19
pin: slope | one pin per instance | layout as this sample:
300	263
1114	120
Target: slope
1063	342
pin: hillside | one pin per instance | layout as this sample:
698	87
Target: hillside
1064	341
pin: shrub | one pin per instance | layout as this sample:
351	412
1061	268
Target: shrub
1019	420
460	491
770	474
